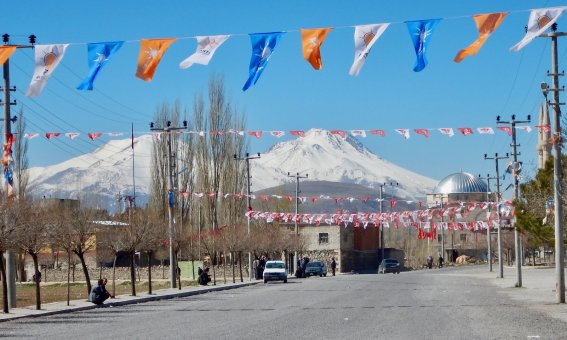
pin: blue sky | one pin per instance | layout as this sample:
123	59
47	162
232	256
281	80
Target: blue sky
290	95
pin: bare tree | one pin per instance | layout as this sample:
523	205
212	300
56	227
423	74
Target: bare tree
33	237
9	219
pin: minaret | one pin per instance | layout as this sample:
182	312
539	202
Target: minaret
543	136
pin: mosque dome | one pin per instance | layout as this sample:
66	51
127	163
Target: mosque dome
460	182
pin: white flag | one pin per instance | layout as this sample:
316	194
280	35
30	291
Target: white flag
404	132
361	133
364	37
540	20
447	131
47	58
526	128
72	135
485	130
206	47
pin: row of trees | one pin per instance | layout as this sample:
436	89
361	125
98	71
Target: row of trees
213	228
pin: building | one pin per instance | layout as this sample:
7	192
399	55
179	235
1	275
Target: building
453	193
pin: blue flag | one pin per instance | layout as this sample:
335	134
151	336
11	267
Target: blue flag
420	32
263	45
98	54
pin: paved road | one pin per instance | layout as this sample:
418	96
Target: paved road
435	304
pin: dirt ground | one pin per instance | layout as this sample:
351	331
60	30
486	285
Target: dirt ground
57	291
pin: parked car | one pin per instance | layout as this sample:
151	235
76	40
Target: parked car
275	271
315	268
389	266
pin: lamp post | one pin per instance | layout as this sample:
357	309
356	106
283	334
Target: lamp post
557	140
170	198
392	185
500	262
247	158
297	178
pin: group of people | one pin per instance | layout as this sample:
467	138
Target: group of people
99	294
429	261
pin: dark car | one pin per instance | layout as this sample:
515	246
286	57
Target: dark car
315	268
389	266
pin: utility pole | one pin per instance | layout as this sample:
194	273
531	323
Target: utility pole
500	263
10	256
515	175
488	236
557	141
168	129
382	185
392	185
297	178
248	201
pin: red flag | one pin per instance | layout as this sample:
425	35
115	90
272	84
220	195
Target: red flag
94	135
257	134
544	128
506	129
339	132
50	135
424	132
378	132
465	131
392	203
299	133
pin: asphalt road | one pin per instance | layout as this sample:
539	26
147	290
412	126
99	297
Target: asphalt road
429	304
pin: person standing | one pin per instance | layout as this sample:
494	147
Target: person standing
333	265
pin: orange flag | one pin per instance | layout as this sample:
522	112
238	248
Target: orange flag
486	24
6	52
311	40
151	52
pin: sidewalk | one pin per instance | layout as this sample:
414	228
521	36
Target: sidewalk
120	300
538	286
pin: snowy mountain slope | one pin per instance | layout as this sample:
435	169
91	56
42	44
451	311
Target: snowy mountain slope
330	157
98	177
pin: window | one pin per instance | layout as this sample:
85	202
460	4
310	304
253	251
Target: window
323	238
463	237
439	237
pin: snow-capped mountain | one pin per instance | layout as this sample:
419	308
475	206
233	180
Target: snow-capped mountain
100	176
329	157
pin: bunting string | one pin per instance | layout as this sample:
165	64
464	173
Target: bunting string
48	57
361	133
450	218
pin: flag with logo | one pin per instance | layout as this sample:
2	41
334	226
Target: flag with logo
47	58
423	132
420	32
404	132
98	56
206	48
485	130
151	52
540	20
447	131
311	41
486	25
6	52
364	38
263	46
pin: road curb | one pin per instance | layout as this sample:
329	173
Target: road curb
134	300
